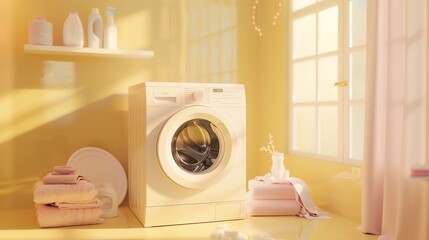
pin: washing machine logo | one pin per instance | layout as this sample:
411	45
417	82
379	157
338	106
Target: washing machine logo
195	146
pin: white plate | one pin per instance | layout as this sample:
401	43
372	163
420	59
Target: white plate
99	167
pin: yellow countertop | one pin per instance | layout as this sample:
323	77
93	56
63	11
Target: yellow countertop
22	224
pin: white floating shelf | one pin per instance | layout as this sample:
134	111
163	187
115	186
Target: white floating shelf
94	52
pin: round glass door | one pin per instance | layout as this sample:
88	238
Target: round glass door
194	147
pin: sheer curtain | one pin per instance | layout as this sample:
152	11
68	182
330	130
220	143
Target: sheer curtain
396	134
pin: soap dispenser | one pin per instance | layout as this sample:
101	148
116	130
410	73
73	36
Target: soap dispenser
109	200
110	31
95	29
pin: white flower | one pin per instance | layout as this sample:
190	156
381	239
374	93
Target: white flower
270	147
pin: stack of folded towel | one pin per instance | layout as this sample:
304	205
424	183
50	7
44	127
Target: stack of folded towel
64	198
266	198
286	196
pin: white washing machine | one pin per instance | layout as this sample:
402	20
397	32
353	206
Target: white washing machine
187	152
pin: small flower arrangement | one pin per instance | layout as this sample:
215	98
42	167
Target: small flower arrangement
270	147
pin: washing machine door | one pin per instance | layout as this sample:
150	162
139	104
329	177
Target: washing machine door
194	147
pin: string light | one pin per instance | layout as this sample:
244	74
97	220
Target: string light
255	18
277	11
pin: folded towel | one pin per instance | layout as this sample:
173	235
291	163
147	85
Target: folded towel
283	207
309	209
50	216
50	193
64	170
420	171
263	190
55	178
94	203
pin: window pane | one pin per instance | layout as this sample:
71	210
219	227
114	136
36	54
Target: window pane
328	30
356	125
328	131
304	129
304	81
299	4
357	75
357	22
304	37
327	77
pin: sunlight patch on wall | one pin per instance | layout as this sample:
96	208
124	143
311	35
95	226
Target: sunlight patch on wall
211	37
36	107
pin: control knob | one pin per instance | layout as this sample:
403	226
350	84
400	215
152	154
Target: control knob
197	95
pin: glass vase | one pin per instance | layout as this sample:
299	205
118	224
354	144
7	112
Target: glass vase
277	168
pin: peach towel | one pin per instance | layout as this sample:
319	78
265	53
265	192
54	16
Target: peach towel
50	216
283	207
261	190
49	193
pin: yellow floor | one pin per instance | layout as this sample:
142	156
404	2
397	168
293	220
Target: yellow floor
21	224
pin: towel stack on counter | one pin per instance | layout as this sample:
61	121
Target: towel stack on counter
420	171
64	198
266	199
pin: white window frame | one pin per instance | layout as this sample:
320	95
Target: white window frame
344	103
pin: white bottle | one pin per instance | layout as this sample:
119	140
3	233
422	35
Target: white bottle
109	199
73	31
110	30
40	31
95	29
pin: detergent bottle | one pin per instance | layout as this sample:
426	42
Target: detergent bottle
73	31
95	29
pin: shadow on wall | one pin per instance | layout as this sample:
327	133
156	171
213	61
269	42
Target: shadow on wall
101	124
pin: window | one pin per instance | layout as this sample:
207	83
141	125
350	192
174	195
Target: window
211	41
327	79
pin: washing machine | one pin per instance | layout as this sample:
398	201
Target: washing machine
187	152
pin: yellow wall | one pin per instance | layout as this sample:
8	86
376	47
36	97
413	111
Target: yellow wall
42	125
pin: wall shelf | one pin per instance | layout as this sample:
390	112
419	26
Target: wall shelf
94	52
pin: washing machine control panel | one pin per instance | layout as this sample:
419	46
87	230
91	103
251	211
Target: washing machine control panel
182	96
213	96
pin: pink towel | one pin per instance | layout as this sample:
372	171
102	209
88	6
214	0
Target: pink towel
49	193
262	190
49	216
420	171
94	203
64	170
309	209
55	178
283	207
